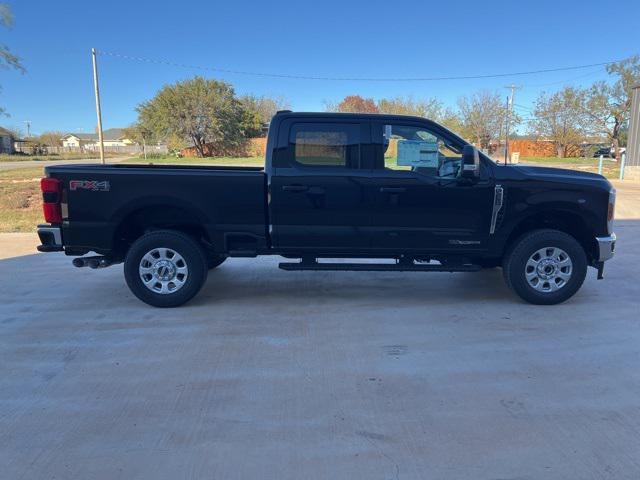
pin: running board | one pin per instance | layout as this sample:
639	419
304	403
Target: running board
378	267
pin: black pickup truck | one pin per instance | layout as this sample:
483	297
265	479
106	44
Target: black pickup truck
402	192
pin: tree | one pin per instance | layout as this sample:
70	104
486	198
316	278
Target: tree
561	118
450	119
608	104
354	104
50	138
265	107
138	133
8	59
198	110
251	122
482	116
429	108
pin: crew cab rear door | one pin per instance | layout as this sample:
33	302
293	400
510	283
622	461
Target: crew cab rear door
318	190
420	203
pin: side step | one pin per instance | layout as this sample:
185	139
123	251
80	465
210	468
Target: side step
378	267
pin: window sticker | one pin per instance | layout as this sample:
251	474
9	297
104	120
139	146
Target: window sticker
415	153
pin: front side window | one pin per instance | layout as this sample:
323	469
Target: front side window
417	149
325	145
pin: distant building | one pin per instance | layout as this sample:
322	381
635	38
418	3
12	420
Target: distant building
112	137
7	141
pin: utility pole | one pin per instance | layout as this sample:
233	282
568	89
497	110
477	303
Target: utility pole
98	110
28	123
508	119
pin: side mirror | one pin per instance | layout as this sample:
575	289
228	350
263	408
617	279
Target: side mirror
470	167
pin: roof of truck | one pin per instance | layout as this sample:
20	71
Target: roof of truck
283	114
288	113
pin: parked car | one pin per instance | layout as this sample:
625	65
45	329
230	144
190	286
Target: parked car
336	186
604	151
608	152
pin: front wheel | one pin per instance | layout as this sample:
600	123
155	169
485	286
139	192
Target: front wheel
165	268
545	267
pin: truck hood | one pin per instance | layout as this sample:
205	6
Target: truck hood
564	175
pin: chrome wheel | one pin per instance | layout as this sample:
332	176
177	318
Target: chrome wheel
163	270
548	269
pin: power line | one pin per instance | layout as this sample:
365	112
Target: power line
585	75
522	106
353	79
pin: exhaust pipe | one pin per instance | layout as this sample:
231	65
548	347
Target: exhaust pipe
92	262
78	262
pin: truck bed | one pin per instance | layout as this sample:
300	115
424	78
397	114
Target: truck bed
99	199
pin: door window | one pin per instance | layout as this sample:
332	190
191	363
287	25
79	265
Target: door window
325	145
412	148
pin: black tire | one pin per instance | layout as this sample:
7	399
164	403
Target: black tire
186	247
514	266
214	261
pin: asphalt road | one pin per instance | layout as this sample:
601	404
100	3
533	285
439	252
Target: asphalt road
318	375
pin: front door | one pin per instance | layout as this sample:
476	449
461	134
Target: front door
318	192
420	203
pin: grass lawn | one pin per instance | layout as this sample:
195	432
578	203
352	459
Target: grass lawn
213	161
20	199
610	169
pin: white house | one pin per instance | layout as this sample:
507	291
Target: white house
112	137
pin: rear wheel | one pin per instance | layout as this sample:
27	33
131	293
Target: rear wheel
545	267
165	268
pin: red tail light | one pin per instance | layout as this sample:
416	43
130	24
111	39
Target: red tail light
51	198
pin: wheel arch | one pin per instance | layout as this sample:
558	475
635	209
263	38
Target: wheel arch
565	221
157	214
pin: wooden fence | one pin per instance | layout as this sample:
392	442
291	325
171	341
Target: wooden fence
124	150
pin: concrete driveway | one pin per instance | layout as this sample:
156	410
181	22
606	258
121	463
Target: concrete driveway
338	375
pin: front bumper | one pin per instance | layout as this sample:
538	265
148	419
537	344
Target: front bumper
606	247
51	238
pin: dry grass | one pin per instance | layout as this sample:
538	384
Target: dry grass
610	168
20	199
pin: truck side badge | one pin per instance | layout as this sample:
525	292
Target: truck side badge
93	185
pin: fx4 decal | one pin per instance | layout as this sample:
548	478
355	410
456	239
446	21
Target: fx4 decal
93	185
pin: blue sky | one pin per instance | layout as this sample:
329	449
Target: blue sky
322	38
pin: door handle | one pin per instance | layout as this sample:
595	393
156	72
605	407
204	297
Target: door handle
393	189
295	188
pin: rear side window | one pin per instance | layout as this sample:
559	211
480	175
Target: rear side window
325	145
